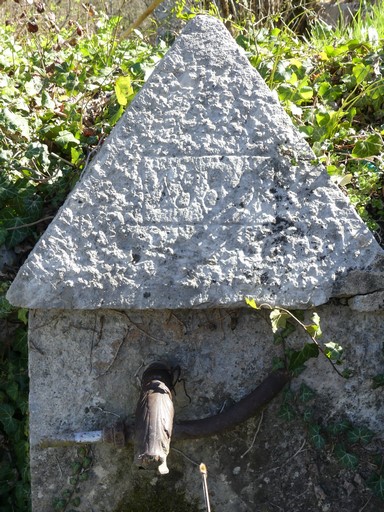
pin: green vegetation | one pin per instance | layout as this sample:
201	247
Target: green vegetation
64	85
70	498
333	89
351	446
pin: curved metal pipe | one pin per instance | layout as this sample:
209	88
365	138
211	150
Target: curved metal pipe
237	413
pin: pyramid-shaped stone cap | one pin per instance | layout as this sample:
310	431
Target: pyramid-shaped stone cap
203	194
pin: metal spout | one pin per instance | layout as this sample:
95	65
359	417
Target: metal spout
118	435
154	418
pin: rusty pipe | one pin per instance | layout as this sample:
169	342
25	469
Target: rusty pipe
237	413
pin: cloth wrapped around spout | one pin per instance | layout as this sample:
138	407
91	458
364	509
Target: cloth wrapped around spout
154	418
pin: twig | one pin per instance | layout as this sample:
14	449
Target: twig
37	348
99	336
162	342
93	152
104	411
366	504
29	224
277	506
141	18
185	456
284	463
63	160
114	358
254	437
298	451
58	464
180	321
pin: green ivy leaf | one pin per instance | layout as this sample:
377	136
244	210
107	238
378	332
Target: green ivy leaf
314	329
33	86
9	423
338	427
22	493
288	395
347	373
348	460
297	358
360	435
66	138
360	71
86	462
252	303
315	436
5	307
12	391
20	343
277	363
123	90
306	92
115	111
371	146
286	412
305	393
334	351
46	101
22	315
59	504
14	123
75	468
378	381
376	483
278	319
308	415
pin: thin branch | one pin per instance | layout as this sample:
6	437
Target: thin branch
30	223
162	342
141	18
366	504
254	437
90	155
185	456
300	450
114	358
63	160
312	338
104	411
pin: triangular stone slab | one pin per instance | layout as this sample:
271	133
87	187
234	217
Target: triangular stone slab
203	194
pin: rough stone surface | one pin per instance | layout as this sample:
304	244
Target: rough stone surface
84	369
369	302
203	193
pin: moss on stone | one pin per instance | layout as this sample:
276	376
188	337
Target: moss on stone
161	496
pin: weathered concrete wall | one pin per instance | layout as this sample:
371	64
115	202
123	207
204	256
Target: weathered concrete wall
84	370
